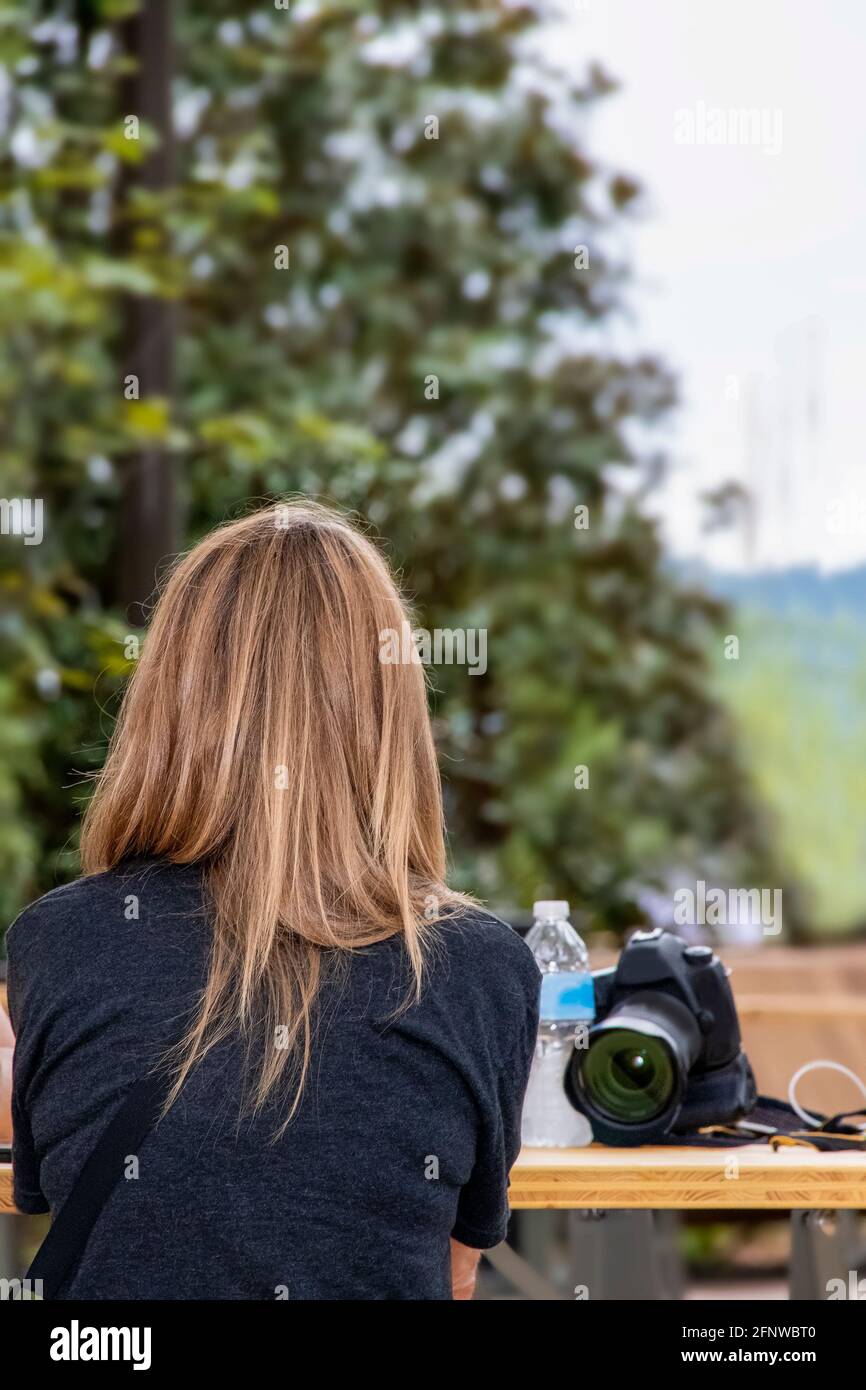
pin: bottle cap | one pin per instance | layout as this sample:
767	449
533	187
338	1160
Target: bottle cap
549	907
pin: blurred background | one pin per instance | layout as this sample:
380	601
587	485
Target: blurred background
565	299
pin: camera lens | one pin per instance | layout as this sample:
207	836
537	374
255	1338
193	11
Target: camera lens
628	1076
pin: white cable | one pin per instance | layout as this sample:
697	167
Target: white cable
810	1066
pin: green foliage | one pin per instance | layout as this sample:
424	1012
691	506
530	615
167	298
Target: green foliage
409	257
796	694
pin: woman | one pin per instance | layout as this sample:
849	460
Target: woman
264	913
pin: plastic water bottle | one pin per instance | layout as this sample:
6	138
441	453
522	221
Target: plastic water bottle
567	1000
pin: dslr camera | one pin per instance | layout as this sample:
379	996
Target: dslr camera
664	1052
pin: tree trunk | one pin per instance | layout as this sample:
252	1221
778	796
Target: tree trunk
148	523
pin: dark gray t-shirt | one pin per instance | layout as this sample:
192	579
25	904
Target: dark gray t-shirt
405	1135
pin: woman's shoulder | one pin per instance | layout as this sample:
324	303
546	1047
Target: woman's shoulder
487	950
55	908
94	901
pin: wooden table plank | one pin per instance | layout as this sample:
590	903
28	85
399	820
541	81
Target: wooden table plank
745	1178
748	1177
6	1203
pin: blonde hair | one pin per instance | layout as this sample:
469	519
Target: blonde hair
262	737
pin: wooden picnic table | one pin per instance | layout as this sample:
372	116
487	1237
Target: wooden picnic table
621	1202
666	1178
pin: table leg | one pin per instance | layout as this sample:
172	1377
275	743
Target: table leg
520	1273
823	1248
11	1232
625	1255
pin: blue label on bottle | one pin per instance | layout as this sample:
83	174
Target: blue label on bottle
567	995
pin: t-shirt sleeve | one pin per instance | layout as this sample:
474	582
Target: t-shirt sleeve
27	1192
482	1209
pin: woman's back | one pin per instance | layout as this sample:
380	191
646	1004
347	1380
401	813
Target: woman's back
407	1125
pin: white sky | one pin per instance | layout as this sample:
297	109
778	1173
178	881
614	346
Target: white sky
751	264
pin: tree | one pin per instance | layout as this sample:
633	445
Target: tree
393	254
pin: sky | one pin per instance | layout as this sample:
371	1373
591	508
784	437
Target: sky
750	261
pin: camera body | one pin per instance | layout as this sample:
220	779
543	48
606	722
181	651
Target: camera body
664	1053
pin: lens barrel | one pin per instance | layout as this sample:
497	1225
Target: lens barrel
630	1079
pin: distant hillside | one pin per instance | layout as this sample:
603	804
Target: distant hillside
798	698
801	589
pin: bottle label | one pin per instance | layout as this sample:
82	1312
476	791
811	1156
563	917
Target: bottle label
567	995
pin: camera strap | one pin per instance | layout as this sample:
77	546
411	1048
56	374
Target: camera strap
832	1135
60	1253
776	1123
